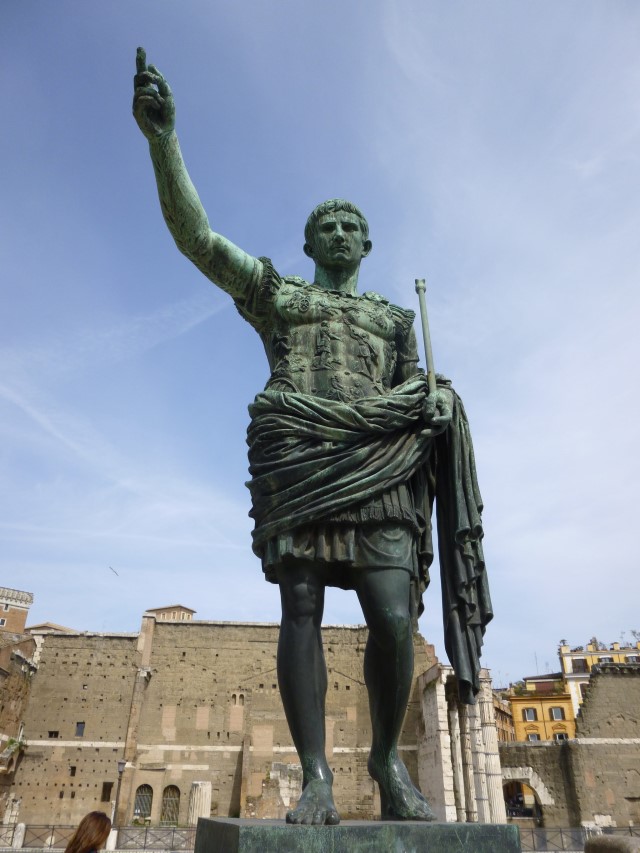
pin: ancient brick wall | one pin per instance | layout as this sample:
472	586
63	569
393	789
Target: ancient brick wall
75	726
189	702
547	767
16	652
608	734
212	695
16	672
595	778
612	703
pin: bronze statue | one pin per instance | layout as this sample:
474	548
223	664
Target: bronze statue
347	452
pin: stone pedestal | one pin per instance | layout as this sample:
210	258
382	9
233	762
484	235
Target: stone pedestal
230	835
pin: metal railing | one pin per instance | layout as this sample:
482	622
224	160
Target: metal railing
156	838
568	839
46	837
176	838
56	837
6	836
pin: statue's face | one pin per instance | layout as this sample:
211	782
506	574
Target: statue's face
339	242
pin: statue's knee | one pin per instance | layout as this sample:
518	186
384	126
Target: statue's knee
390	626
301	601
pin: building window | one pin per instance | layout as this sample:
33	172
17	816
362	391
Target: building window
633	658
107	787
72	771
3	622
54	734
170	805
5	607
529	715
142	802
533	736
558	736
557	713
580	665
605	659
80	729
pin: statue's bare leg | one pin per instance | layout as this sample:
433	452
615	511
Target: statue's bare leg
388	667
302	677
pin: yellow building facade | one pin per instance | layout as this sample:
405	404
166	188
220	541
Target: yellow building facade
542	709
577	663
537	717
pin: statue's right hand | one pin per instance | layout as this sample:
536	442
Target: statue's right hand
153	106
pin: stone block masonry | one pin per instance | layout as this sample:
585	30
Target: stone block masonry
187	703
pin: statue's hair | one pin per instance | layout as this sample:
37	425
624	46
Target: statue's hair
333	204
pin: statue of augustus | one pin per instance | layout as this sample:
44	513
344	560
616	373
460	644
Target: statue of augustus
347	452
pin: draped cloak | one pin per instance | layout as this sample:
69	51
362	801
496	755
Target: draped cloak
311	458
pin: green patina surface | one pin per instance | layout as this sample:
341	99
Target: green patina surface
348	450
238	836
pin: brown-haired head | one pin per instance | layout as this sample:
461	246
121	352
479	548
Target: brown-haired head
91	834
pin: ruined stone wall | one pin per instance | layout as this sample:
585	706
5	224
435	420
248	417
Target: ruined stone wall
593	779
612	703
81	679
16	672
190	702
547	767
15	680
608	735
212	712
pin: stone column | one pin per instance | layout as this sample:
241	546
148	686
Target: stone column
199	802
456	756
435	771
467	763
497	808
479	765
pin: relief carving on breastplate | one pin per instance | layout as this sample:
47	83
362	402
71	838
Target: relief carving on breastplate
324	358
367	356
286	362
299	302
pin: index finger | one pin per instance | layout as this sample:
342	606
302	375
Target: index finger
141	60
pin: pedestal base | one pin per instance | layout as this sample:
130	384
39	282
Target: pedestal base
230	835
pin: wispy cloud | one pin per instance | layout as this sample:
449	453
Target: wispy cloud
99	345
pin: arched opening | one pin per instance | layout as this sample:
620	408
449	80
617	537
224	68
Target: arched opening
522	803
142	803
170	806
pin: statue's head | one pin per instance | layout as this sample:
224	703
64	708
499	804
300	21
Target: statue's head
327	212
330	206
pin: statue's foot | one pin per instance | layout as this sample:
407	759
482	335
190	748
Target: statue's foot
315	806
399	797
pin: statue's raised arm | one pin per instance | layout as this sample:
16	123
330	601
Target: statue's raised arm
218	258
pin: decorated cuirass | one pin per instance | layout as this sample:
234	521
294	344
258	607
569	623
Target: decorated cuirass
334	345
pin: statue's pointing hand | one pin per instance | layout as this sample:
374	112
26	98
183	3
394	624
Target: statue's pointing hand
437	409
153	106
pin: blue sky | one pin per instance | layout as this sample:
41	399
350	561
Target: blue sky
494	148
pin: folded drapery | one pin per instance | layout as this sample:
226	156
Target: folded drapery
311	458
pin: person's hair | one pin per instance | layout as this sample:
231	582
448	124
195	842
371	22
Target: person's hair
92	832
333	204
